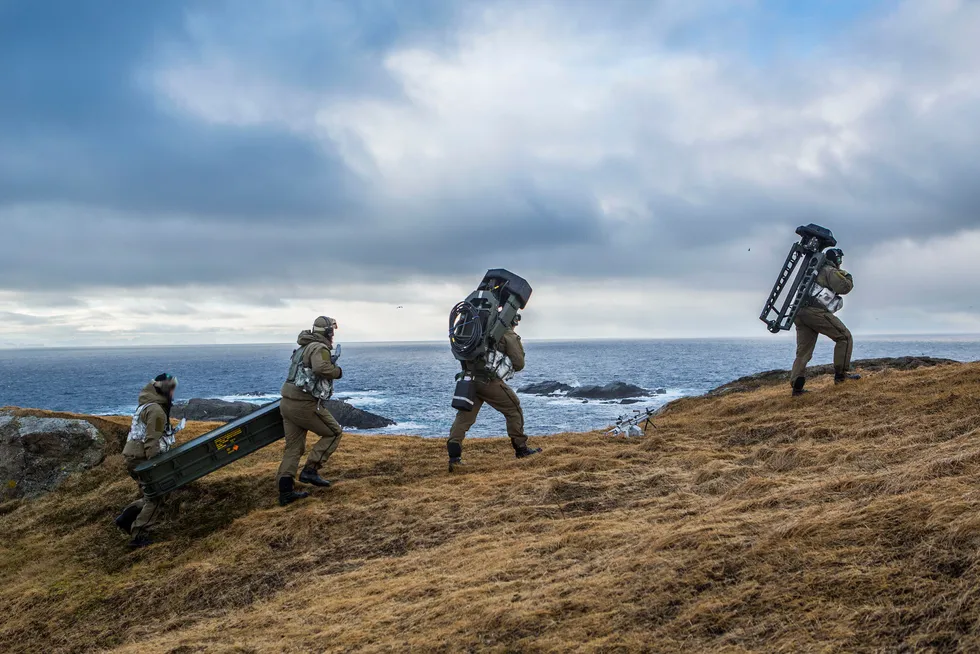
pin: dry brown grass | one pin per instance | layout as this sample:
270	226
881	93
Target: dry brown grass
845	521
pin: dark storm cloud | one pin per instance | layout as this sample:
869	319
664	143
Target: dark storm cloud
230	171
77	127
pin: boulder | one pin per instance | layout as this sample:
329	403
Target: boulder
37	454
768	378
545	388
613	391
223	411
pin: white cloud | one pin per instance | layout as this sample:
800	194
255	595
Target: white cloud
694	163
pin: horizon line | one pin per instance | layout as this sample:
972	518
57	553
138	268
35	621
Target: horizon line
867	335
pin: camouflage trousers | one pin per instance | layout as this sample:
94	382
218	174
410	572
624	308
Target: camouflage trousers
810	323
501	397
300	418
149	509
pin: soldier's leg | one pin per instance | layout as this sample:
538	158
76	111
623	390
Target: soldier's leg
501	397
147	517
293	451
806	342
330	433
462	424
841	335
138	504
129	514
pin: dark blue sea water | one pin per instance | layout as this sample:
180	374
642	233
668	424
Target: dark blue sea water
412	383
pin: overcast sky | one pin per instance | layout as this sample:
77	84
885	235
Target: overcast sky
197	172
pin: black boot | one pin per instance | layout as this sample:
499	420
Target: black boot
310	475
524	451
126	519
139	541
798	385
286	493
455	455
841	377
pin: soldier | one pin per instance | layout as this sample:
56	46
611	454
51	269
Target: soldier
150	435
312	371
817	317
494	391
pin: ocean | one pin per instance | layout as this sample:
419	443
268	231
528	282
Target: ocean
412	383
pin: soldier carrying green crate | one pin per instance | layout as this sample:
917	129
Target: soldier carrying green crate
312	371
150	435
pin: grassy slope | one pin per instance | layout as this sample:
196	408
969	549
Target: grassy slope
848	520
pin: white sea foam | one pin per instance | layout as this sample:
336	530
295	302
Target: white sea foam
403	427
254	398
362	398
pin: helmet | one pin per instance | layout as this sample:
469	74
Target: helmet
165	383
324	325
835	256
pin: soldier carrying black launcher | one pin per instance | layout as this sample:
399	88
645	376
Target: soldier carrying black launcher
483	340
808	293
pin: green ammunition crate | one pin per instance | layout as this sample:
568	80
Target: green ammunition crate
215	449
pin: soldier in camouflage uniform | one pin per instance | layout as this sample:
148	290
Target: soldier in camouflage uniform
302	412
495	392
815	319
150	436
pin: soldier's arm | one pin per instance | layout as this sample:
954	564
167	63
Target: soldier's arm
840	281
156	424
514	350
322	365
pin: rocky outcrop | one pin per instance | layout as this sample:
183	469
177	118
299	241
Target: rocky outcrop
613	391
545	388
223	411
37	454
354	418
768	378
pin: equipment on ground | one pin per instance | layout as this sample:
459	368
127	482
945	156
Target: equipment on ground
211	451
476	326
629	424
797	276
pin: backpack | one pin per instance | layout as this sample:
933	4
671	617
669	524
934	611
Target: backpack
826	298
137	431
303	377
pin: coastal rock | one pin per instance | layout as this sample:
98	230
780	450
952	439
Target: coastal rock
354	418
212	410
768	378
223	411
545	388
613	391
37	454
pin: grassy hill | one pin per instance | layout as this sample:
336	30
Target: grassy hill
848	520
